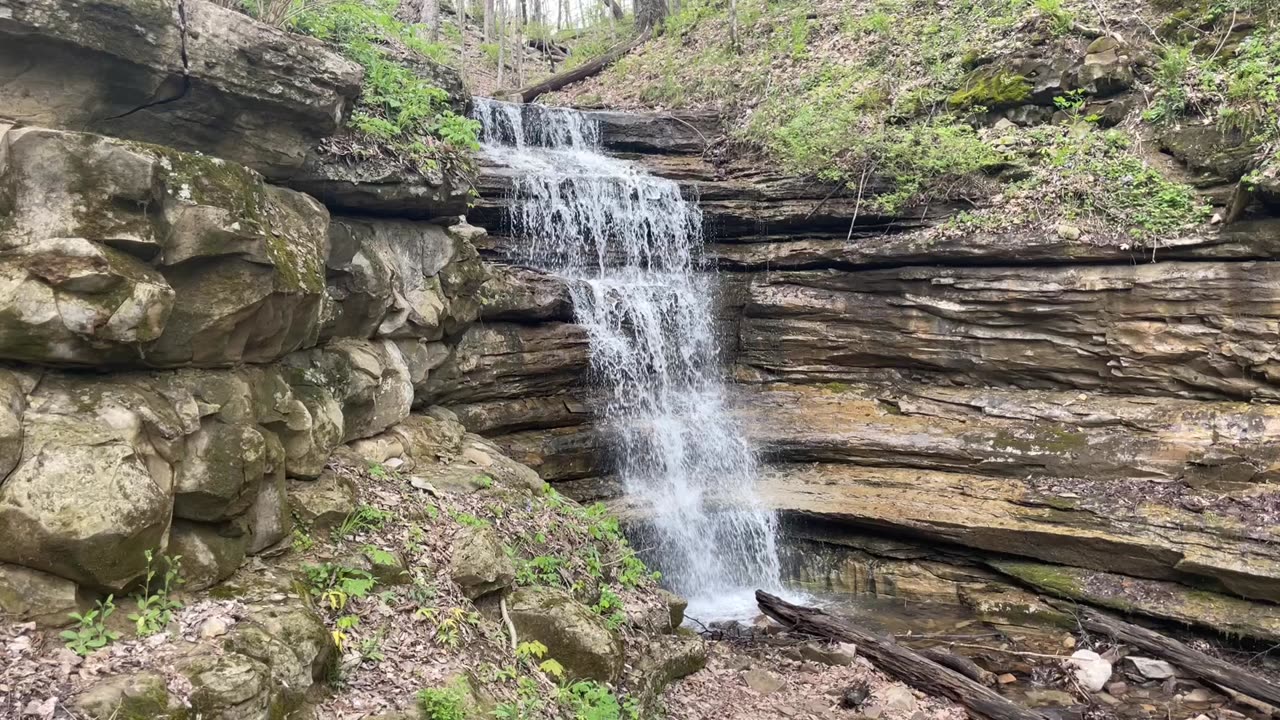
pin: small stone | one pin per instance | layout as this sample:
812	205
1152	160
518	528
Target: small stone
1118	688
854	696
763	681
834	655
1199	695
1152	669
1069	232
214	627
1007	679
1068	642
899	698
1004	125
1109	699
1091	669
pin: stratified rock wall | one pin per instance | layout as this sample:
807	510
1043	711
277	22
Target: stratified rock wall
1079	403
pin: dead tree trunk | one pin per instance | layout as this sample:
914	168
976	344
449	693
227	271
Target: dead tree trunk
1195	662
488	20
981	702
429	15
582	72
615	8
650	13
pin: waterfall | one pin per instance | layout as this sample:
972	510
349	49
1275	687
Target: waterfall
629	247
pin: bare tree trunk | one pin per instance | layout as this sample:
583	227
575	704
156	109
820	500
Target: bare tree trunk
733	24
500	23
462	35
650	13
615	7
429	15
488	20
583	71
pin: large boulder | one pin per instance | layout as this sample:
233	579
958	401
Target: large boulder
143	694
115	252
210	552
479	565
184	73
575	636
387	278
31	595
93	490
231	686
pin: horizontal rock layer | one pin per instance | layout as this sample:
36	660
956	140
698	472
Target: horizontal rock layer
183	73
1170	328
117	253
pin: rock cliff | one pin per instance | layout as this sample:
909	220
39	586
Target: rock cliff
1085	404
224	348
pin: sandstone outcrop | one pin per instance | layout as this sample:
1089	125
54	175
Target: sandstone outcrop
183	73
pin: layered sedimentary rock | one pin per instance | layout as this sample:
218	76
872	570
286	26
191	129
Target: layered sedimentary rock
249	337
1170	328
182	73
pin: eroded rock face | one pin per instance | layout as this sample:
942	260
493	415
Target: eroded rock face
121	253
479	565
400	279
200	78
574	635
1151	329
380	187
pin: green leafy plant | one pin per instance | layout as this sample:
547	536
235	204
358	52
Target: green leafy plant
541	570
399	107
587	700
1061	20
90	632
335	585
155	603
446	703
364	518
463	518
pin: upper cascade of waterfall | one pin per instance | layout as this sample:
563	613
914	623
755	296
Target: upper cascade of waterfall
629	246
504	123
577	210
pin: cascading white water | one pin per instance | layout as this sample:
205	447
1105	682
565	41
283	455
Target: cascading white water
630	248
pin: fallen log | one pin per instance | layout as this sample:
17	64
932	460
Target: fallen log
1193	661
582	72
907	665
960	664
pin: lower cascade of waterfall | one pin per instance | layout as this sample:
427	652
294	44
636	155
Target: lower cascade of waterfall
629	247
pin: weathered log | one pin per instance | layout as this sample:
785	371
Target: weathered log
907	665
582	72
960	664
1193	661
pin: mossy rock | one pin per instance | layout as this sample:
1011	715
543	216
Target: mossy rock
137	696
992	88
575	636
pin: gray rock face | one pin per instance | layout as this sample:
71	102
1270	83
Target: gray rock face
201	78
380	187
119	253
1145	329
400	279
479	565
574	635
32	596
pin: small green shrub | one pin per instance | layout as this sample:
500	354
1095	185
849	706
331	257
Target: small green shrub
335	585
587	700
156	606
446	703
398	108
365	518
90	632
